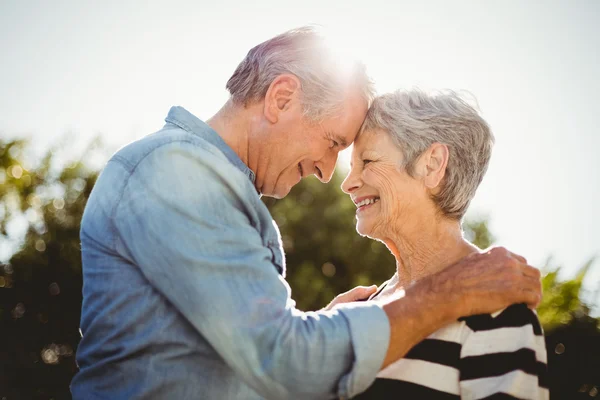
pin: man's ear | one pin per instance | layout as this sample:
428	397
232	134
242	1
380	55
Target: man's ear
434	163
282	91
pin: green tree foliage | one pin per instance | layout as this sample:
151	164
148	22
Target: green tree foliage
562	298
572	336
40	286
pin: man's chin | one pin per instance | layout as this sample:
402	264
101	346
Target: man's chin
278	193
273	195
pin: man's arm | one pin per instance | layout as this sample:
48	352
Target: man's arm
477	284
184	221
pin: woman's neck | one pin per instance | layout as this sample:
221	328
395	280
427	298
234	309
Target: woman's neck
426	249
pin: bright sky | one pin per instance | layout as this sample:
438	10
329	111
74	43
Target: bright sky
115	68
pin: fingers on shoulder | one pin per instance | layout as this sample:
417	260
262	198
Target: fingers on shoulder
503	253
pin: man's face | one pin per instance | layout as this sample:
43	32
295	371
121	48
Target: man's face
301	147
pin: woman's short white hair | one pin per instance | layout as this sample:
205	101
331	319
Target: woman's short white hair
415	120
303	52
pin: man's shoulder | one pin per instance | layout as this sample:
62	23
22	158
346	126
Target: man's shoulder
166	139
515	316
174	160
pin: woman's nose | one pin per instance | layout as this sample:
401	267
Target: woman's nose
351	183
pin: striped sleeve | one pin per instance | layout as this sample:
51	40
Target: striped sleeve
504	356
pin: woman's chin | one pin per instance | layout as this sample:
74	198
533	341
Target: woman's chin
363	230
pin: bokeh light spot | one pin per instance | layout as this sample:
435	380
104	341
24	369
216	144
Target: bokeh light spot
18	311
16	171
54	289
65	350
34	201
328	269
49	356
288	243
26	180
79	184
61	215
40	245
58	204
584	388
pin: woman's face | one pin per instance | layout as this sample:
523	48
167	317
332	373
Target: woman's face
385	195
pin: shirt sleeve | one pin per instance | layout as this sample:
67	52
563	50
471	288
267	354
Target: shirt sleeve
504	357
184	221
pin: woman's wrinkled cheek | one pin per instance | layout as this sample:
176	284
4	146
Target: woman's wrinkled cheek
381	179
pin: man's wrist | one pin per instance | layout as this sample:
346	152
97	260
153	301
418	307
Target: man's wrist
441	295
426	307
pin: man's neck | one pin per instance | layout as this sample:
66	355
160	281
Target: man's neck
233	124
246	132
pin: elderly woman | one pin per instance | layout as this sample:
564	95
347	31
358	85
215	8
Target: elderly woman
416	165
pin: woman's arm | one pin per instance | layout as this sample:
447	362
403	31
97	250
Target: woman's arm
504	356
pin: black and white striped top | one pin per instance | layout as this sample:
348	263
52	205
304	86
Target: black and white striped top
490	356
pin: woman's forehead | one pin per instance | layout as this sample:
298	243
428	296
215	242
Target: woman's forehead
369	138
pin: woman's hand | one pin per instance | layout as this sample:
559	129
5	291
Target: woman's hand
358	293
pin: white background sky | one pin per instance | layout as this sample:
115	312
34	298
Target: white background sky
115	68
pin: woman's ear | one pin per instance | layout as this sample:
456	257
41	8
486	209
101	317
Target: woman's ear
435	163
279	97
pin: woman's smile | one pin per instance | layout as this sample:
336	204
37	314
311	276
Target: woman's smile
365	203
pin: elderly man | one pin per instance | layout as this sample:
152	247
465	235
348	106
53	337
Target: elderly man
184	290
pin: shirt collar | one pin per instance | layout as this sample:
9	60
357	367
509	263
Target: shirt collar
186	120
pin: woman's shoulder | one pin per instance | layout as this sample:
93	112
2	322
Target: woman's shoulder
504	352
515	316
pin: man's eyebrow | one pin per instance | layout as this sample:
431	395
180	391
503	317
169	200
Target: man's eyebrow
341	141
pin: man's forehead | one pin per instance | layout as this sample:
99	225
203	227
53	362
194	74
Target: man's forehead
351	118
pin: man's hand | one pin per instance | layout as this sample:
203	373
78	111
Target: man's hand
358	293
477	284
487	282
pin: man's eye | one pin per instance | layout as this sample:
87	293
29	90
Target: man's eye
365	162
333	144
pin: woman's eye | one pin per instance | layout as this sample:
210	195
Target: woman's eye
333	144
365	162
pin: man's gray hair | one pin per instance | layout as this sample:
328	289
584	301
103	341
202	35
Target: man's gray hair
304	53
415	120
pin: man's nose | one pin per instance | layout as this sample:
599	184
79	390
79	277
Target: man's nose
325	167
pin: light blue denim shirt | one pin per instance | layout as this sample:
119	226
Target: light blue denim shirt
184	295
